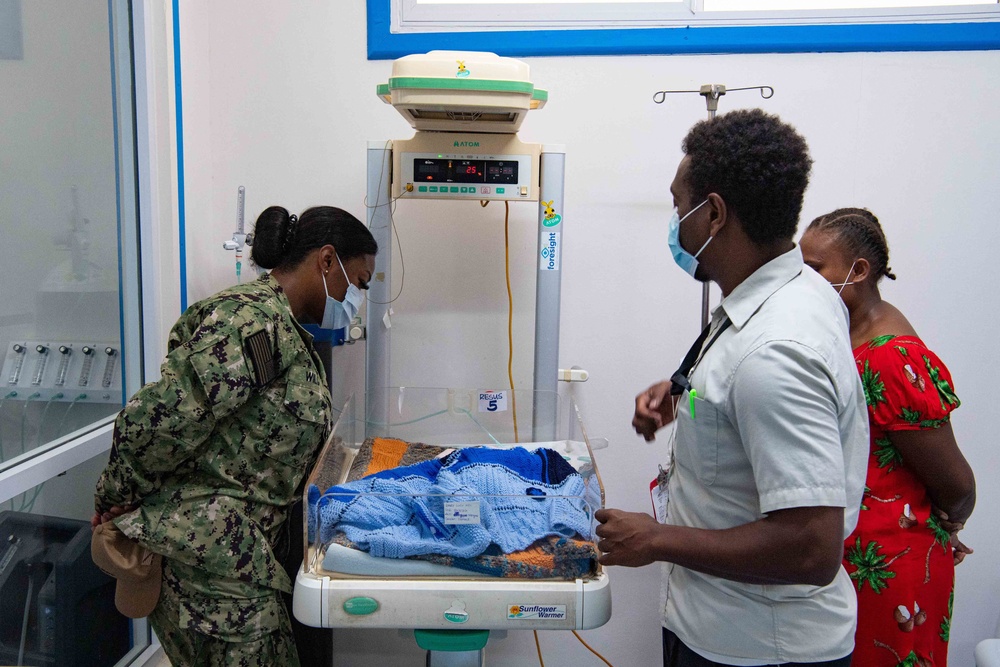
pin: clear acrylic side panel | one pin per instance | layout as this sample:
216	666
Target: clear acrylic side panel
335	458
442	483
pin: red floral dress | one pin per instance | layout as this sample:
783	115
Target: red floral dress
899	557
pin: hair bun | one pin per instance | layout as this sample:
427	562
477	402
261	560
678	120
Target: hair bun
291	229
271	237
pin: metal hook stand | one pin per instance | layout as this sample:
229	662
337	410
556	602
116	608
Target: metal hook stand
711	92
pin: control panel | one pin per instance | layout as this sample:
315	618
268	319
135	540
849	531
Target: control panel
449	165
464	176
79	371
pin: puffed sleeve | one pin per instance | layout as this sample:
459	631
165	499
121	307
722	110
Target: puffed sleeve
167	422
907	387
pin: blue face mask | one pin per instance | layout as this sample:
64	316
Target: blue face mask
338	314
684	259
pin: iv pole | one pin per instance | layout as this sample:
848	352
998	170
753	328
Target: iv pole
711	92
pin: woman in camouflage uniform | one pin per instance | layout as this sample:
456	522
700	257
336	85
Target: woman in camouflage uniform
207	460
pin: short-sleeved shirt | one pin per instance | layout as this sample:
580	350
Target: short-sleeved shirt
779	422
215	451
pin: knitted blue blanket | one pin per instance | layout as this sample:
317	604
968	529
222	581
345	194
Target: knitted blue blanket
522	496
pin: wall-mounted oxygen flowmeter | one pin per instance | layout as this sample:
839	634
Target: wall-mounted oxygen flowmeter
79	371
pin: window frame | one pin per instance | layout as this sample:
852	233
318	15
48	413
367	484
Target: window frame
456	15
385	44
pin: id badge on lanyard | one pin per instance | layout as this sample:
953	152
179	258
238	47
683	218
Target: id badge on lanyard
659	492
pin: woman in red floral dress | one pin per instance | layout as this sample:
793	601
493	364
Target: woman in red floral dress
920	490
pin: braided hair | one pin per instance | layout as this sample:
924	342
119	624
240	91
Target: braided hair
282	240
861	235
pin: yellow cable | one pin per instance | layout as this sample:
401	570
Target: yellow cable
510	321
577	635
538	647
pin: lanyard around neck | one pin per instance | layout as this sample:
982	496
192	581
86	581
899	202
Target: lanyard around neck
680	381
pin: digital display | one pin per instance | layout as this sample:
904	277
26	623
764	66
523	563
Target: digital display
501	171
446	170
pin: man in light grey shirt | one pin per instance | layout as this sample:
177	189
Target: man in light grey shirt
771	432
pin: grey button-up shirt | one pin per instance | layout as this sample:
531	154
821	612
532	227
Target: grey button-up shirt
779	422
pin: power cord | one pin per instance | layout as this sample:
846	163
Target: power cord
392	222
541	662
510	318
588	647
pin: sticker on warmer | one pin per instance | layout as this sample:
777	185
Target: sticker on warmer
550	253
493	401
548	612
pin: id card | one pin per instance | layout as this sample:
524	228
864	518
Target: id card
659	494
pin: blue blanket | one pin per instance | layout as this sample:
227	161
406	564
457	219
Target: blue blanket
522	495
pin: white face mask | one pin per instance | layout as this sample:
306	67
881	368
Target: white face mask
846	281
338	314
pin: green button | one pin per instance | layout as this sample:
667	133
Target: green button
360	606
434	188
422	188
499	191
454	189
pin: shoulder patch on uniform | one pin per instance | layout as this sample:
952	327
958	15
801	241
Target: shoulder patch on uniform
261	354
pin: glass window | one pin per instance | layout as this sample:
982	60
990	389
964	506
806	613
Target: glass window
633	27
69	320
67	210
56	607
420	14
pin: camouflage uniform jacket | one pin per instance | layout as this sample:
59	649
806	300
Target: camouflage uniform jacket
215	451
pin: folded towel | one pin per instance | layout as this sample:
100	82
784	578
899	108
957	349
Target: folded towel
553	557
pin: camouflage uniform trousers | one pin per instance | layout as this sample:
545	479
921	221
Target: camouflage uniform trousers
208	621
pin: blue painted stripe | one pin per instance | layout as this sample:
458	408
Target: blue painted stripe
118	196
179	112
384	45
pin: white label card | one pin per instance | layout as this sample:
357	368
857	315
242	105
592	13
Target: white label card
493	401
461	512
658	494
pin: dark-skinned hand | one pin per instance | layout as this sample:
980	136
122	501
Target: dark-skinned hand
654	409
112	513
626	537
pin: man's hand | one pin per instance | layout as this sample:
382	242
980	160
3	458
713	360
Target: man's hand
626	537
654	409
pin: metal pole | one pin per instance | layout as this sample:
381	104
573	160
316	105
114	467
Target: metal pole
711	93
377	346
547	292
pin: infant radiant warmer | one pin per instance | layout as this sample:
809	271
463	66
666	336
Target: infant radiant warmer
540	588
466	109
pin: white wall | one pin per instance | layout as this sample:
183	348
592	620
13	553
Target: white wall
281	99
